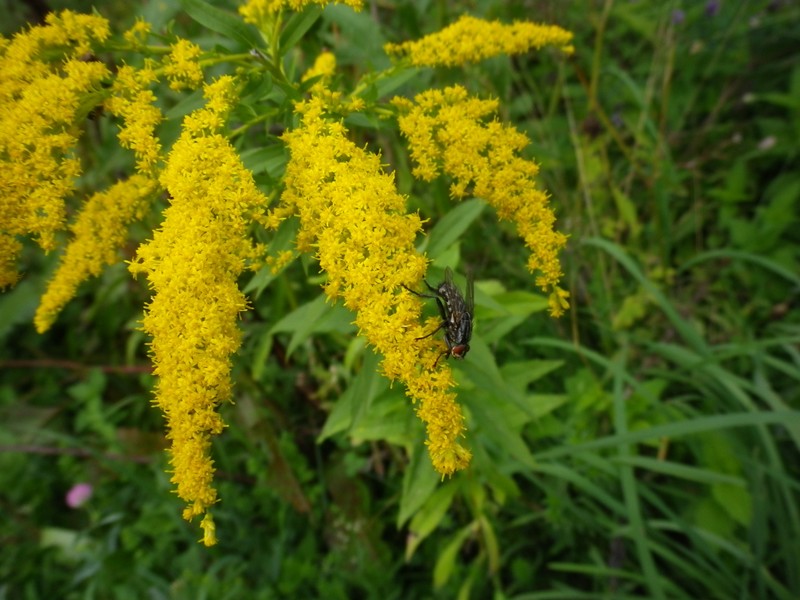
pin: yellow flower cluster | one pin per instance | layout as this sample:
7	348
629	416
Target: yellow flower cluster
471	40
324	67
181	66
45	89
137	35
99	231
448	132
276	263
259	12
351	213
10	248
192	265
133	101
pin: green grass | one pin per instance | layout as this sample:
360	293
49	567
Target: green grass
644	446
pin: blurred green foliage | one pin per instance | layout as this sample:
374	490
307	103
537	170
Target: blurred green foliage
645	446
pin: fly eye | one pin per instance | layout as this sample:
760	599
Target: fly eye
460	351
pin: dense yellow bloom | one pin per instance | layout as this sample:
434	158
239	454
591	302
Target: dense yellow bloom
324	67
448	133
276	263
35	53
45	90
192	265
471	39
137	35
351	214
133	101
259	12
181	66
74	33
99	231
10	248
209	530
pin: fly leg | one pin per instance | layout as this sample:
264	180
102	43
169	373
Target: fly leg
446	354
442	309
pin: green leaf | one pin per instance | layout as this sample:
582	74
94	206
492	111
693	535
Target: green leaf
386	85
762	261
419	483
18	306
496	316
430	515
633	309
270	159
358	39
735	500
587	486
483	372
673	469
498	429
686	330
261	354
93	415
521	374
191	102
386	420
737	179
74	545
317	316
224	22
297	26
447	559
363	121
490	543
520	303
627	210
451	226
283	240
341	417
367	385
683	428
540	405
707	515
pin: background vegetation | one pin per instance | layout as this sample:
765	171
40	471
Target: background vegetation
644	446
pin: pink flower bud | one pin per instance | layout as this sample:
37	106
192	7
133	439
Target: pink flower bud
78	495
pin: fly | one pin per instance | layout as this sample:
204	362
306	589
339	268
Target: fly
457	314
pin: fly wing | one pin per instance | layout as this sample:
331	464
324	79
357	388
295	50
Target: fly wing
448	277
459	310
470	293
457	303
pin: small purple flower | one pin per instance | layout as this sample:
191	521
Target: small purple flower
678	17
712	8
78	495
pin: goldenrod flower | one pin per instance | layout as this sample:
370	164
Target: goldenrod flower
192	265
181	66
276	263
448	132
44	92
471	39
74	33
258	12
324	67
99	231
133	101
10	248
209	530
351	214
137	35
